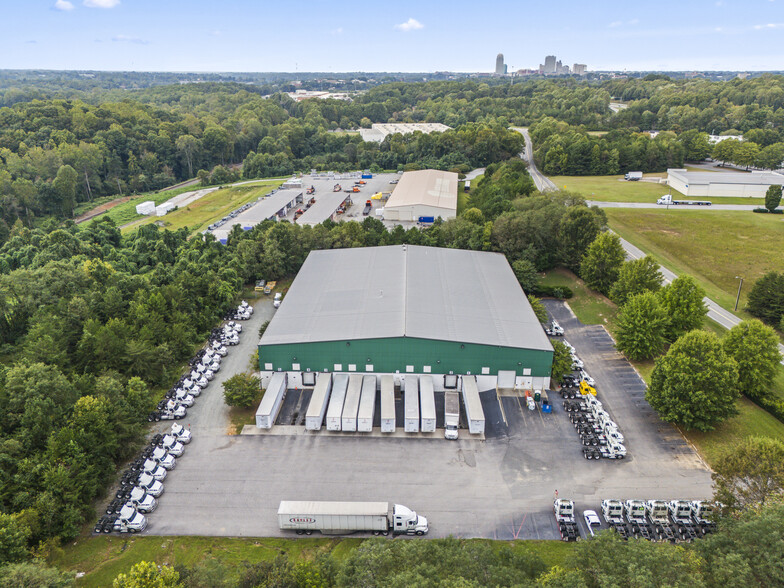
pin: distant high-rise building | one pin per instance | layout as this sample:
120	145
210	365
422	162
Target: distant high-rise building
579	69
549	64
500	68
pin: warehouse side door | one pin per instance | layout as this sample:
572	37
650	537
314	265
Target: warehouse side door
506	379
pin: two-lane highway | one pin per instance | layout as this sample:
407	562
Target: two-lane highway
542	183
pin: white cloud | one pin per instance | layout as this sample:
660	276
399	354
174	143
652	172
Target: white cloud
770	25
129	39
101	3
411	24
63	5
337	31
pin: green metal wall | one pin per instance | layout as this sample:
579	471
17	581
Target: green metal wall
394	354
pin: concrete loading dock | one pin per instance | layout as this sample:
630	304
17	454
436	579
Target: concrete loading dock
387	404
411	392
317	408
335	410
271	207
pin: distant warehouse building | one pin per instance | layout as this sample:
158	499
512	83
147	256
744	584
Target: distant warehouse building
717	185
408	310
379	131
425	194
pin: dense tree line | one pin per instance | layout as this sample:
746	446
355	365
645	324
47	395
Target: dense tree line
745	551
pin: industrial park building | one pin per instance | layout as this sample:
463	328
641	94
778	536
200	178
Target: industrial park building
421	195
725	184
406	309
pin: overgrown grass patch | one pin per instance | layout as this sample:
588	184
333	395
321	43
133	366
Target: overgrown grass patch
713	247
590	307
198	215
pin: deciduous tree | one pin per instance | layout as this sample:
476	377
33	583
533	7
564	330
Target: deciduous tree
766	299
636	276
772	198
241	390
754	346
750	473
562	361
602	262
696	383
682	300
641	325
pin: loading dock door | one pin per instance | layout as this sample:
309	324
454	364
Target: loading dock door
506	379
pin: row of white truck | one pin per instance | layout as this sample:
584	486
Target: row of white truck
347	402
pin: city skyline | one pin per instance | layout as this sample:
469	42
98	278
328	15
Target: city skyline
146	35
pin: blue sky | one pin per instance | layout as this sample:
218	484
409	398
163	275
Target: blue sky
349	35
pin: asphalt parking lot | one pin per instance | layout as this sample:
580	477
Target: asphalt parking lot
501	487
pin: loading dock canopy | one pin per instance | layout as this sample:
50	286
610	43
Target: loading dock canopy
407	291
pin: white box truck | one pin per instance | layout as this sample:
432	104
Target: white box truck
411	397
269	407
367	405
340	518
387	404
351	405
475	415
335	409
451	414
427	404
317	408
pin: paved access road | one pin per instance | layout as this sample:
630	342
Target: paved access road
542	183
725	207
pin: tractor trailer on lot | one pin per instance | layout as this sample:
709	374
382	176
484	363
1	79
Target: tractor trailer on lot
339	518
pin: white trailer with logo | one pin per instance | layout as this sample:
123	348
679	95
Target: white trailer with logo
335	409
270	404
387	404
339	518
475	415
411	398
367	405
351	406
317	408
427	404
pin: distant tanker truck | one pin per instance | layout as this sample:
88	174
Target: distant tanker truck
340	518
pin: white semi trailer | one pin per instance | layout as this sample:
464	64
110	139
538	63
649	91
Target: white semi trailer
340	518
317	408
475	415
270	404
387	404
367	405
351	405
335	410
411	397
427	404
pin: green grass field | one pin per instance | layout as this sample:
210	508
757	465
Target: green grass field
102	558
197	215
126	211
616	189
590	307
711	247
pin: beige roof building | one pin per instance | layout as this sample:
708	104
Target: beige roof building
379	131
427	194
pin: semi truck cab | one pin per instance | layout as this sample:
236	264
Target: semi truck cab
407	521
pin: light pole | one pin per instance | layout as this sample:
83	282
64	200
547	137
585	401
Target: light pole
737	299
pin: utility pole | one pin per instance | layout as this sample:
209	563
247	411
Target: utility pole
737	299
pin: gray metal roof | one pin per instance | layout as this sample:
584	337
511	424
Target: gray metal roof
407	291
264	209
754	178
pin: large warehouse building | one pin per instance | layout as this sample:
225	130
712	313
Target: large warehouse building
408	310
425	194
717	185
